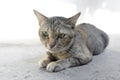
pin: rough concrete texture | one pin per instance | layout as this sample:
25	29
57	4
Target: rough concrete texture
19	61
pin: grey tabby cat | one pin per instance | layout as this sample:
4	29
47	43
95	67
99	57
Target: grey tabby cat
68	45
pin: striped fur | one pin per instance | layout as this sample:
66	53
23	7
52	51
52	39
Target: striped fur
69	45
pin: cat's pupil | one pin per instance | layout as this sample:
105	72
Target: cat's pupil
45	34
61	35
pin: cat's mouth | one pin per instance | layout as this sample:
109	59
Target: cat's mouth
57	49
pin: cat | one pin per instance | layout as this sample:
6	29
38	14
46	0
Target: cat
68	44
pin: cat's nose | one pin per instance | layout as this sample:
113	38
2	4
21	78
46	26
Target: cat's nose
51	45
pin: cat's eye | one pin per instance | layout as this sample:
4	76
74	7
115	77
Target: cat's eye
45	34
62	35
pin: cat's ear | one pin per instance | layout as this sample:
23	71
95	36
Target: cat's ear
72	20
41	18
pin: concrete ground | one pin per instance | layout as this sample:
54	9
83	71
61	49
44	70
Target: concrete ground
19	61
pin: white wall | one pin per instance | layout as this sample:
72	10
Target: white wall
105	14
17	20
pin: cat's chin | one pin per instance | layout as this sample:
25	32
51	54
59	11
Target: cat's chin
56	51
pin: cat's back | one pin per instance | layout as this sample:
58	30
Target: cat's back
97	40
86	27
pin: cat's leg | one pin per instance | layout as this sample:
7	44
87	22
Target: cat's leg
66	63
84	55
62	64
85	58
45	60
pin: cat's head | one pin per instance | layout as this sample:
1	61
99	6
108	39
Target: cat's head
56	33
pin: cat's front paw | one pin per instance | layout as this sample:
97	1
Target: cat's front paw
43	63
54	67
